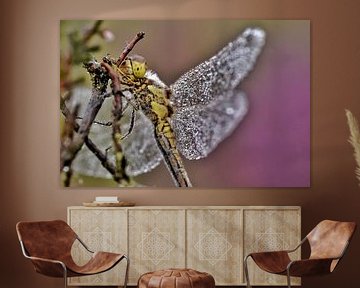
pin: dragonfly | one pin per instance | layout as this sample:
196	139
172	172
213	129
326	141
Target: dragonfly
186	119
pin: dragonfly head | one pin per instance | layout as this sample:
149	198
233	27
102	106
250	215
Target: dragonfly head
138	65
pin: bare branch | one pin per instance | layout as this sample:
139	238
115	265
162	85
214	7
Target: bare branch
92	31
100	74
93	107
92	146
120	161
129	47
101	156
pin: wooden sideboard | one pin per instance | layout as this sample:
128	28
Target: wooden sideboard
212	239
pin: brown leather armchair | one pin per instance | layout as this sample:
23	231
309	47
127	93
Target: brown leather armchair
328	242
48	245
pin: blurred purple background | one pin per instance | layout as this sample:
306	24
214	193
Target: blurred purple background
271	146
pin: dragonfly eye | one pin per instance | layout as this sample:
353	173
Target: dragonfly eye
139	69
138	64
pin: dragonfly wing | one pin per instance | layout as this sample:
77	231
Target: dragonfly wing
199	129
140	147
222	72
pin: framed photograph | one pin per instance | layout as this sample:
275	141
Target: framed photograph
191	103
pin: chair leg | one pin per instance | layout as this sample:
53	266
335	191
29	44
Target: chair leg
127	271
65	275
246	270
288	278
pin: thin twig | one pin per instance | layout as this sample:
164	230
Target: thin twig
92	146
101	156
109	123
115	80
68	175
67	60
120	161
129	47
92	31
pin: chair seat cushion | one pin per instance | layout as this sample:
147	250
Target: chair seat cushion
176	278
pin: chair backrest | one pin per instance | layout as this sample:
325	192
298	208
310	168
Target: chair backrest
46	239
329	239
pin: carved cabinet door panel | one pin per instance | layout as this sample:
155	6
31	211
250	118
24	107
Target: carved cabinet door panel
214	244
101	230
156	240
269	230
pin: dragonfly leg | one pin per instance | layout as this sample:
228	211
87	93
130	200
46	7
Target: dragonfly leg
131	128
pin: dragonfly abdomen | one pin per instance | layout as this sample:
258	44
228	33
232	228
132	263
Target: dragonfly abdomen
165	139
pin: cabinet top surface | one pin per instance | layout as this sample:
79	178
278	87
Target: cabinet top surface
193	207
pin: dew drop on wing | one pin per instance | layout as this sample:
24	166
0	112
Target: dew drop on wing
140	148
220	73
207	100
200	128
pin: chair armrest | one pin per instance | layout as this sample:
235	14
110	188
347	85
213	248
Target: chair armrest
48	267
46	260
309	267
